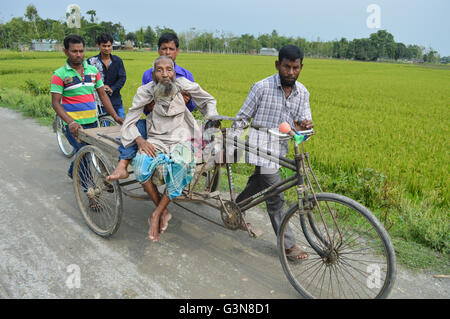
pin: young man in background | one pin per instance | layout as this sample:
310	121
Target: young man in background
112	71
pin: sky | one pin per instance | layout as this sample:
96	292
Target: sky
426	23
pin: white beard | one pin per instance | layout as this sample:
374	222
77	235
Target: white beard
164	93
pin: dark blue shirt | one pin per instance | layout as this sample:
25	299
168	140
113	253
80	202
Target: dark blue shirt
179	72
114	76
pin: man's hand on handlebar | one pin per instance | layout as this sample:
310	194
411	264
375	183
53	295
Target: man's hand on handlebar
304	125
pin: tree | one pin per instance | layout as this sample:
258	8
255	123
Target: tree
131	36
15	32
160	31
431	56
265	40
415	52
274	40
401	51
186	39
57	32
302	44
363	49
149	36
93	14
32	15
91	33
384	44
343	48
121	35
140	37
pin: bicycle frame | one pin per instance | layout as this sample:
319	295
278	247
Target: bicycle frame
274	190
304	203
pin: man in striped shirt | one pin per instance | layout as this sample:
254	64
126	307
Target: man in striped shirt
72	89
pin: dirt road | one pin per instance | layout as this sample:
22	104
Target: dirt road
47	250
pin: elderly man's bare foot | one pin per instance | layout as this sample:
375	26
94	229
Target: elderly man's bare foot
164	220
119	173
153	231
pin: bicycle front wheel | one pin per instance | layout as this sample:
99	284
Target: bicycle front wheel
350	254
61	138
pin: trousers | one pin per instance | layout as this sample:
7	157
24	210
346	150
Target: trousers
275	205
76	146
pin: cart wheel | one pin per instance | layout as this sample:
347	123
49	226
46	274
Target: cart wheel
100	202
105	121
63	143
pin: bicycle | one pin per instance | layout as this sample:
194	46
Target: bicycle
350	254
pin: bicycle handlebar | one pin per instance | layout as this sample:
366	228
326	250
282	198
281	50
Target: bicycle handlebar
307	133
274	132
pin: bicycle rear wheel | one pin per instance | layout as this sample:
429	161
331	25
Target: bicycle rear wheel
350	253
105	121
63	143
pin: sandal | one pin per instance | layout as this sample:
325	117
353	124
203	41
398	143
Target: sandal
295	253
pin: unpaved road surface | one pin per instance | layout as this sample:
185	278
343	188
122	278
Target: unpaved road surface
45	243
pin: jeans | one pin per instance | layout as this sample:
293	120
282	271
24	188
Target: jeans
120	111
73	141
130	151
258	182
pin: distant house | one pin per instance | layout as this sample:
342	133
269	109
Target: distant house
117	45
268	51
44	45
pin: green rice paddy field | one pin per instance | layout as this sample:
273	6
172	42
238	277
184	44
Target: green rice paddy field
382	129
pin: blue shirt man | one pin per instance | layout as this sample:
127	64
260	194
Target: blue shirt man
168	45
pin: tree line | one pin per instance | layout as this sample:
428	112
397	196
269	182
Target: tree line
379	45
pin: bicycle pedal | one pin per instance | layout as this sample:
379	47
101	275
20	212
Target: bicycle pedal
251	230
256	232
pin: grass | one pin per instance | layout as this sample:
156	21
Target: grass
382	128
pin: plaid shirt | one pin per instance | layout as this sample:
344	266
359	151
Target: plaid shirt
268	106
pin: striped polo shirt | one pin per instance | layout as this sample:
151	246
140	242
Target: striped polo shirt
77	91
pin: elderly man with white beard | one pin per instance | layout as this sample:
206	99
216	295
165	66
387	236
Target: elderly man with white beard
171	130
